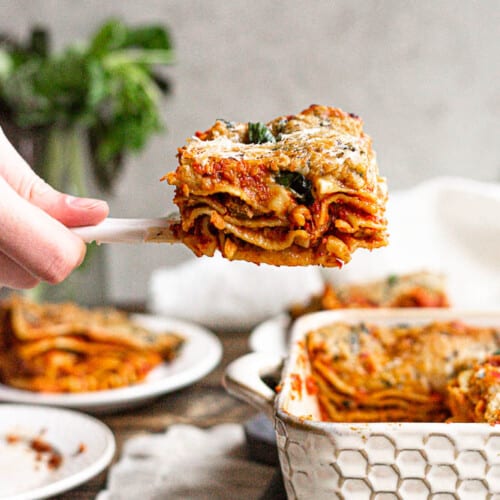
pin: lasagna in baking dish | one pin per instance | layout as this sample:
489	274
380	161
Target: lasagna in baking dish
301	189
373	373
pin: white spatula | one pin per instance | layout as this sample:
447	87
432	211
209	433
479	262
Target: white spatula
113	230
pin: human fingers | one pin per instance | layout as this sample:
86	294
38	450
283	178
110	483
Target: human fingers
34	240
70	210
13	275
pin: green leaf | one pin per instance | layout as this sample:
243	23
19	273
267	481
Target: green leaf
98	85
148	37
18	91
392	279
64	83
6	64
138	56
299	185
258	133
115	35
111	36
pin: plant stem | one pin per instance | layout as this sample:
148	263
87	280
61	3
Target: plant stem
63	164
74	158
53	163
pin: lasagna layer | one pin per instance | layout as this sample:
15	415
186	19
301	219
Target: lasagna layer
370	373
301	189
474	395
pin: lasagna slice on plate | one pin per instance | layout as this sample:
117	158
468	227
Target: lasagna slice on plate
63	348
302	189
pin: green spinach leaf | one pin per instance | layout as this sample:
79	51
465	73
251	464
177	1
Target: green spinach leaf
258	133
298	184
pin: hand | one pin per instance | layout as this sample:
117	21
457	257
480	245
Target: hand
35	242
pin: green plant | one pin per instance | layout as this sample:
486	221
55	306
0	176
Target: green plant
108	88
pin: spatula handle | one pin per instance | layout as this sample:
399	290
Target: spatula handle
112	230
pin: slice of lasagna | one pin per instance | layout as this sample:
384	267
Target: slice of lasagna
68	348
301	189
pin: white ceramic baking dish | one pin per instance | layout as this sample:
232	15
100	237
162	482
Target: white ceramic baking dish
379	461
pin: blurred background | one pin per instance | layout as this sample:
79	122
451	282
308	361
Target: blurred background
424	76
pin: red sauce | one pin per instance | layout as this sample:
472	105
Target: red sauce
311	386
367	362
81	449
40	445
54	461
480	406
296	383
436	397
494	360
324	415
12	438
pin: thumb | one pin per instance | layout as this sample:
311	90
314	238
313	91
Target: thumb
69	210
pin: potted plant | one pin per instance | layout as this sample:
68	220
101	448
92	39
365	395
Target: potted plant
95	102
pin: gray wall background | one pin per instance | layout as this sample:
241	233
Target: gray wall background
424	75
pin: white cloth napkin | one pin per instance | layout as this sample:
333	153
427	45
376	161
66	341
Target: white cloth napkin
447	225
222	294
186	462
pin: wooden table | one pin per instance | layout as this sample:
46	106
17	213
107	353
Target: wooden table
204	404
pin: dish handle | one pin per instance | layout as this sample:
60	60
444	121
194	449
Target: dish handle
243	379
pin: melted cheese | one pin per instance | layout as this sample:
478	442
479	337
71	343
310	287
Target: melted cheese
301	146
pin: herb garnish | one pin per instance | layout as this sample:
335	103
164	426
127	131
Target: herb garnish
258	133
392	279
298	184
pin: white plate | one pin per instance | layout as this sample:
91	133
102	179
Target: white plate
271	336
199	355
24	476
